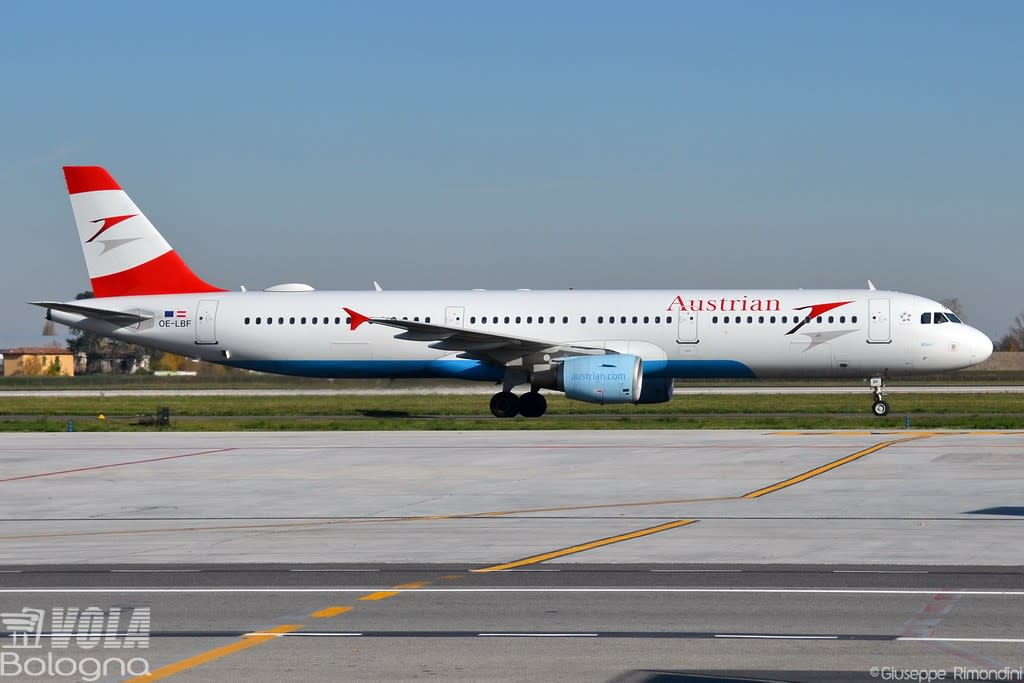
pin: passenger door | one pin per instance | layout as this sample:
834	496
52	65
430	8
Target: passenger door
206	322
878	322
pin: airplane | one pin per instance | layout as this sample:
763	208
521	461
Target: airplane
600	346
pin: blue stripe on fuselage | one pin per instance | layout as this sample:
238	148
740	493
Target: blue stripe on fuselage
471	369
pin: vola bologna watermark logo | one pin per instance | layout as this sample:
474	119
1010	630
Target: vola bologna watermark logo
65	642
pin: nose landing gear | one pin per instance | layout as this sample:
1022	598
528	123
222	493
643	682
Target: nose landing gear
880	406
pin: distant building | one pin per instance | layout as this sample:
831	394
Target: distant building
38	360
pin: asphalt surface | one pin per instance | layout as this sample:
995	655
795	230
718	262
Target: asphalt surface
579	622
590	556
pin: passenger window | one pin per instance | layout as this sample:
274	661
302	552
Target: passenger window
818	320
714	319
622	320
280	321
831	318
246	321
551	319
760	319
427	319
853	319
611	320
472	320
506	320
926	318
302	320
258	320
657	319
647	319
565	320
348	321
750	319
725	320
784	320
600	318
583	319
519	319
337	321
842	318
635	320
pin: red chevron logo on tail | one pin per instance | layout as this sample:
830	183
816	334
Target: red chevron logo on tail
108	223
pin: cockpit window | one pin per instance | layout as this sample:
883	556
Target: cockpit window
926	318
953	319
940	317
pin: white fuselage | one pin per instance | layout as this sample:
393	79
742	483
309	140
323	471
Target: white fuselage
677	333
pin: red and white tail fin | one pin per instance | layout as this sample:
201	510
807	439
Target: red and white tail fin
124	253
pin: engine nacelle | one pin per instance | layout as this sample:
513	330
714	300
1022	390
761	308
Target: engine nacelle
657	390
613	378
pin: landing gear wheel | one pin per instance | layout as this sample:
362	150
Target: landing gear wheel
880	408
532	404
504	404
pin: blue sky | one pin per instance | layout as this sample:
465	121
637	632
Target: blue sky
435	145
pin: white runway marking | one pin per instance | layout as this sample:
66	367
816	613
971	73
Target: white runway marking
936	639
720	591
769	637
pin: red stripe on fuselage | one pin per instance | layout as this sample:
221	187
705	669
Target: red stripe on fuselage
166	274
88	179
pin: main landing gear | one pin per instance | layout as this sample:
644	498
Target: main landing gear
507	404
880	406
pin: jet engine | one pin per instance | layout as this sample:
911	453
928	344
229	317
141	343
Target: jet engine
613	378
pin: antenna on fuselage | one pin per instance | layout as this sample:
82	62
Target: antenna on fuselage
377	287
871	286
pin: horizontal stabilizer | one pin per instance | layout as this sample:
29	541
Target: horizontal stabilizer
116	317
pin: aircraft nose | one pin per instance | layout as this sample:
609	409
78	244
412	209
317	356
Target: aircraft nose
981	346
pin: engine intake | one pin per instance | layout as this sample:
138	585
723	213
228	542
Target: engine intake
614	378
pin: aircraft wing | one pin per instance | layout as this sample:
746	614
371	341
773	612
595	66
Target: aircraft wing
474	344
117	317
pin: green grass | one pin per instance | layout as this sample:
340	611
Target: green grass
449	412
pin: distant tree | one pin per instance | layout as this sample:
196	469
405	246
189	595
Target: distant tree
49	330
1014	339
954	305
